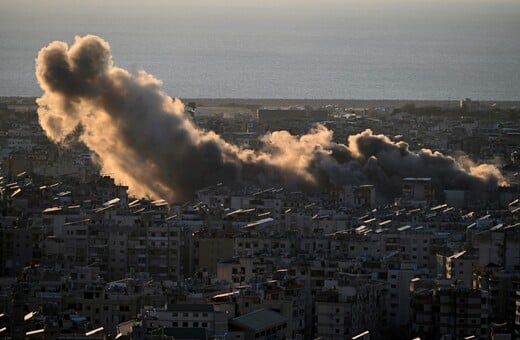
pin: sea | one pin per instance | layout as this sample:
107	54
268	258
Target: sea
434	51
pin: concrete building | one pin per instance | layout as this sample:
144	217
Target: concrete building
118	242
288	299
440	308
417	192
398	295
187	316
260	324
502	286
20	144
210	250
349	308
361	196
461	266
240	270
16	249
517	313
498	245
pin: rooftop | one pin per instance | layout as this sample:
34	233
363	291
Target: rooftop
259	319
190	307
186	333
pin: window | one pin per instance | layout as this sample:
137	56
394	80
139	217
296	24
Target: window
184	324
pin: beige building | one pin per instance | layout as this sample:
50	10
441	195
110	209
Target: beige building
209	251
239	270
461	266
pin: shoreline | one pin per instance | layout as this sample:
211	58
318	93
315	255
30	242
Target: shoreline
277	102
347	102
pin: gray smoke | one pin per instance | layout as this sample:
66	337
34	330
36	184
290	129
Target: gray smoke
143	138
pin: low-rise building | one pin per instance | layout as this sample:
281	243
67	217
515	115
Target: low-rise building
186	316
260	324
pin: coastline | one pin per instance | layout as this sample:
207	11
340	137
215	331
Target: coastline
283	102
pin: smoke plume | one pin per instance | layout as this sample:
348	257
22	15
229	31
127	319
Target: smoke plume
143	138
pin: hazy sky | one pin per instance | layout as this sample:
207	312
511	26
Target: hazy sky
206	41
83	11
381	17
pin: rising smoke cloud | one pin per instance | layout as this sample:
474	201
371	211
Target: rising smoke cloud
143	138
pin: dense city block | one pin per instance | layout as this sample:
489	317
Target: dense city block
81	255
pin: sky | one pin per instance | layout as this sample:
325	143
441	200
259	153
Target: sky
29	14
198	29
